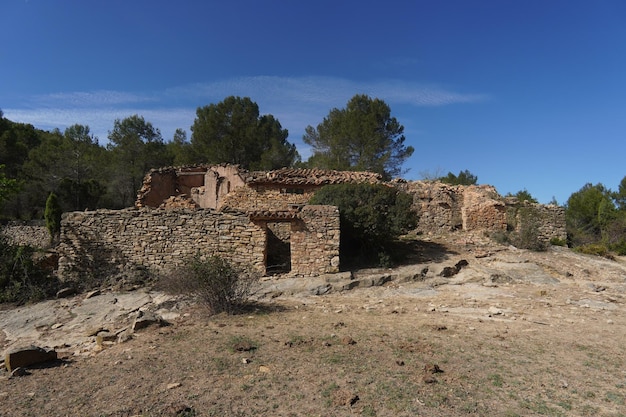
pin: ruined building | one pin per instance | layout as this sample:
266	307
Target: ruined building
262	219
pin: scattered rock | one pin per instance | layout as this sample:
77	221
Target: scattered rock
347	340
432	369
17	372
448	272
264	369
124	336
147	319
321	290
26	356
174	385
93	293
66	292
495	311
344	398
429	379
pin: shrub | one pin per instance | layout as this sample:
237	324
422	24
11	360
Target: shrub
597	249
218	284
372	216
21	280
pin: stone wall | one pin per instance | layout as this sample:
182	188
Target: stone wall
33	233
315	241
547	220
98	243
444	208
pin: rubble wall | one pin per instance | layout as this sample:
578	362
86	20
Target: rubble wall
33	233
315	241
444	208
547	220
267	197
99	243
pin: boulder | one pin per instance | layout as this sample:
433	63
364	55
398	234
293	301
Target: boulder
26	356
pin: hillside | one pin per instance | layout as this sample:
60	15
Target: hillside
468	328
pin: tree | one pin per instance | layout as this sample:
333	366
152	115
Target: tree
524	195
464	178
136	147
361	137
8	186
620	195
587	213
372	216
179	148
52	216
233	132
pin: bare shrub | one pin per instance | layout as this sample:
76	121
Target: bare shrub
218	284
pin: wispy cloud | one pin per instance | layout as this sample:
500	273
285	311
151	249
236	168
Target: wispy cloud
295	101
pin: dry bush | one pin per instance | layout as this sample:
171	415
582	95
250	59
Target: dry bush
218	284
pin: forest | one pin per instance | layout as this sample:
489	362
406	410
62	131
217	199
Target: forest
85	175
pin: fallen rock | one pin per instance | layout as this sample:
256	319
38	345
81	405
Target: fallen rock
26	356
146	319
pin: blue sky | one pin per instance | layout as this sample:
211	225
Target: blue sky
525	94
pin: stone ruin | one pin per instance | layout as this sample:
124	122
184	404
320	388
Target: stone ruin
263	219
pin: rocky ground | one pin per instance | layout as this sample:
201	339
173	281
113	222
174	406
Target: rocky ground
469	327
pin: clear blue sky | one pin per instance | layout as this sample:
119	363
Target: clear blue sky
525	94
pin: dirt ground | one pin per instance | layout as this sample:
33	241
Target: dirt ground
512	333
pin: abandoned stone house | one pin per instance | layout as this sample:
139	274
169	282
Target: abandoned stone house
261	219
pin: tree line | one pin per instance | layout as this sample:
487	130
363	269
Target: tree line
87	175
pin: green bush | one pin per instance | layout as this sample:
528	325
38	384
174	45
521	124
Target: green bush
372	217
557	241
218	284
21	280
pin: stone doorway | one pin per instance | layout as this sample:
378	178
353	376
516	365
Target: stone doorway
278	246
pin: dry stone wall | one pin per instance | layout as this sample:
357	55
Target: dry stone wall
98	241
547	220
96	244
32	233
315	241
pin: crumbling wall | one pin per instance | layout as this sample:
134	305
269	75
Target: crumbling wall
547	221
483	209
443	208
267	197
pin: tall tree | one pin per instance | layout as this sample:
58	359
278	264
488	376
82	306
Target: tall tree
136	146
362	137
587	214
179	148
233	132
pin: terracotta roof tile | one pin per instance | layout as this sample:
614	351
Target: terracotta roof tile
302	176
